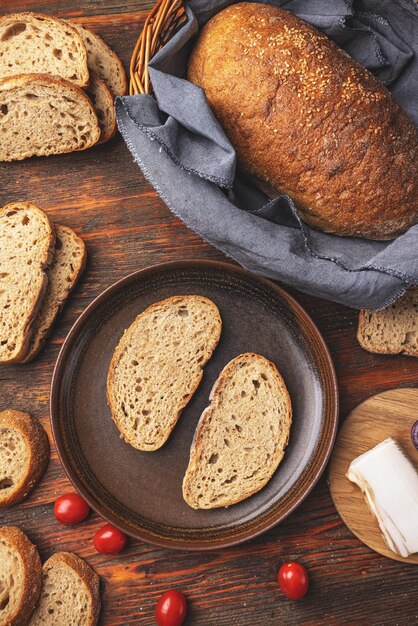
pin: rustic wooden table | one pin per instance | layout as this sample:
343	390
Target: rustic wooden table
102	193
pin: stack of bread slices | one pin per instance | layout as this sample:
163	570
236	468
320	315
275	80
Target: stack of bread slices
58	81
39	265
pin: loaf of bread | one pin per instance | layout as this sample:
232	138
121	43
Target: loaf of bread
307	120
241	436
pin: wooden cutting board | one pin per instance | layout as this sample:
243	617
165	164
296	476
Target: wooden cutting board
388	414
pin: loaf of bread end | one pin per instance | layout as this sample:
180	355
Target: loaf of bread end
309	121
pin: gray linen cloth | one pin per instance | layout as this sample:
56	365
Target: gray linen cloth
183	152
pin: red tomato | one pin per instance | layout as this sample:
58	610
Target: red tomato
293	580
71	508
171	609
109	540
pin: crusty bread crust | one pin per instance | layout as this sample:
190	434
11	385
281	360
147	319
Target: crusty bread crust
37	444
32	575
309	121
34	301
40	80
87	576
164	433
198	447
52	22
50	310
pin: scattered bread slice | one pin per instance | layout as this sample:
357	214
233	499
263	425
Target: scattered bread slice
27	243
24	455
70	593
102	99
67	265
393	330
31	43
103	61
241	436
41	115
158	365
20	577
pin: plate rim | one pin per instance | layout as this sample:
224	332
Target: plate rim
180	544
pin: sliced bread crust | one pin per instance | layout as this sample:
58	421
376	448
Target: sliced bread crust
103	61
67	265
70	593
102	99
34	43
241	436
20	577
42	115
158	365
393	330
24	455
27	244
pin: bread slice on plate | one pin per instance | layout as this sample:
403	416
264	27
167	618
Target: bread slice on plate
158	365
70	593
67	265
103	61
241	436
393	330
20	577
24	455
27	244
42	115
102	99
33	43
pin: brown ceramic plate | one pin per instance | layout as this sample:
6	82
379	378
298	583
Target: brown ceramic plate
140	492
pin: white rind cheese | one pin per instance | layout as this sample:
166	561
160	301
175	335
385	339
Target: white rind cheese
389	483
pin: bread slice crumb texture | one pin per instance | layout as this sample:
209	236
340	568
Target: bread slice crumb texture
102	100
241	436
26	246
33	43
20	577
70	593
67	265
24	455
158	366
42	115
103	61
393	330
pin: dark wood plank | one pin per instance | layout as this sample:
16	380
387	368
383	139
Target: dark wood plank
104	196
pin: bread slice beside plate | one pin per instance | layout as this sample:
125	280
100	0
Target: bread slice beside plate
67	265
70	593
241	436
393	330
24	455
20	577
28	239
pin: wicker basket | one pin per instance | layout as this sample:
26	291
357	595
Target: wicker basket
161	24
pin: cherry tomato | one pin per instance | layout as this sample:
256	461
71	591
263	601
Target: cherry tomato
293	580
109	540
71	508
171	609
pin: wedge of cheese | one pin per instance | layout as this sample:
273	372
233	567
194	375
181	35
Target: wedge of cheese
389	482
